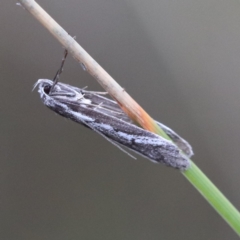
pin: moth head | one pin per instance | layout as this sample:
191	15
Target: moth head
60	91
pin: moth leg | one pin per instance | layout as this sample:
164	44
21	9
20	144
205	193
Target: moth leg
97	92
98	106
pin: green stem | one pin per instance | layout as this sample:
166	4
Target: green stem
211	193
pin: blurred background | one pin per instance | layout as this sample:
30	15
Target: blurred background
180	60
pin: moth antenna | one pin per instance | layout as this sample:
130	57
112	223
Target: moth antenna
59	71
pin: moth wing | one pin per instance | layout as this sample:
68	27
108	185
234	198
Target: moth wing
108	139
106	105
179	141
112	108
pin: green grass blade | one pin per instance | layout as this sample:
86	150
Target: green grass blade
211	193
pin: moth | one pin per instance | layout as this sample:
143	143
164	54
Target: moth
104	116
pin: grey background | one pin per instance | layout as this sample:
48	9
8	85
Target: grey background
180	60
